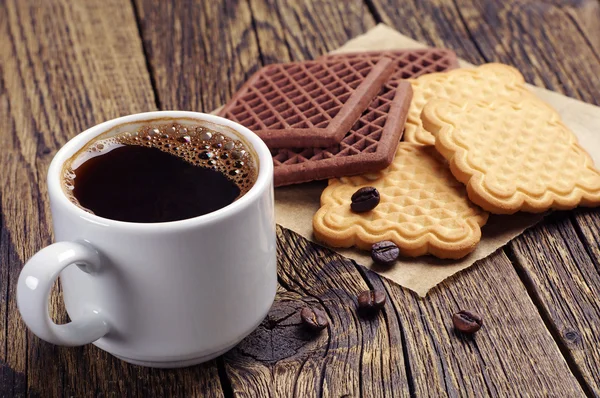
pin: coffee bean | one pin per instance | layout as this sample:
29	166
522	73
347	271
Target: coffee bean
364	199
314	318
371	300
467	322
385	252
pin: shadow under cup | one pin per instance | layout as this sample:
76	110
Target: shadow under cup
169	294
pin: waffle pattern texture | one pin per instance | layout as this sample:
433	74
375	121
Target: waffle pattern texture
369	145
307	104
423	208
371	142
486	82
409	64
513	156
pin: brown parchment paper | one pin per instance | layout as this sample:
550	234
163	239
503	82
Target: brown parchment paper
295	205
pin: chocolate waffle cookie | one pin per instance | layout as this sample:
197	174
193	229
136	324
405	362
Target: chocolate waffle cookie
307	104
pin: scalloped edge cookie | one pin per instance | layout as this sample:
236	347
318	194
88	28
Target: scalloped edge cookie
448	119
488	76
336	225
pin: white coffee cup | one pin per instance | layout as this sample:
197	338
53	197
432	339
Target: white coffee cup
166	294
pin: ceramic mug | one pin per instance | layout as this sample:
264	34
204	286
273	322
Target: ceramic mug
166	294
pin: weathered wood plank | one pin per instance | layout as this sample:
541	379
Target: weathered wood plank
277	359
436	23
213	47
559	261
295	31
586	16
198	51
64	67
555	45
355	356
540	39
514	354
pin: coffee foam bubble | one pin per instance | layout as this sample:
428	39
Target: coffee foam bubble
198	145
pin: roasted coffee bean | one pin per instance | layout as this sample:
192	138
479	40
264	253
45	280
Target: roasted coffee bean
364	199
314	318
385	252
371	300
467	322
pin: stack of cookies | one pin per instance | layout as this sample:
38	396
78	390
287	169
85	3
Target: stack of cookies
336	116
476	141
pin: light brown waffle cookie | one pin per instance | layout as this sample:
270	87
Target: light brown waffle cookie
513	156
486	82
423	209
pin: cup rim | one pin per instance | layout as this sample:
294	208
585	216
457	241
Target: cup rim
263	181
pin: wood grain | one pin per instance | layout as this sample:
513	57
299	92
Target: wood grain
198	51
355	356
559	262
555	45
64	67
274	360
295	30
514	354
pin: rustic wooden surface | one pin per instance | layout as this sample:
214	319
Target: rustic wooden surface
65	66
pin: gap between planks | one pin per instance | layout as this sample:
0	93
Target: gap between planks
537	302
138	23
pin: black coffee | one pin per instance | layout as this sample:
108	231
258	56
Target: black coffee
159	173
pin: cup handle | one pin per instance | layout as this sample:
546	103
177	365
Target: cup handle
33	293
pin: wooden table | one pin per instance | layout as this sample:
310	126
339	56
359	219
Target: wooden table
66	65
